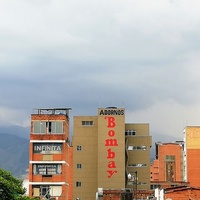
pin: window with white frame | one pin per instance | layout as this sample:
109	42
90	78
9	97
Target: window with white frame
48	127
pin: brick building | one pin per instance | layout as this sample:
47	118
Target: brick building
167	168
50	168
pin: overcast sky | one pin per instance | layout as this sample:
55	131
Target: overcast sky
142	55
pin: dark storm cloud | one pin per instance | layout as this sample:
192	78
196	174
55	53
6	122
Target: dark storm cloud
140	55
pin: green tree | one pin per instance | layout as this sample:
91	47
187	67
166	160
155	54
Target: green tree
11	188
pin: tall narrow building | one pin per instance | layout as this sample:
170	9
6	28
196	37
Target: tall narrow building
192	155
50	168
106	150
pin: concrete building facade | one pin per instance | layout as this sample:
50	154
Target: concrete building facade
192	155
50	167
105	151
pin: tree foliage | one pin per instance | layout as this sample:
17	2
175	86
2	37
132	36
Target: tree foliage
11	188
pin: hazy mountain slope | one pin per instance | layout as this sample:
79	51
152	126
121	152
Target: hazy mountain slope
14	154
19	131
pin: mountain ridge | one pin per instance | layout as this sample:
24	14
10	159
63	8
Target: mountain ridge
14	150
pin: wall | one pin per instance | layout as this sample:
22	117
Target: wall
193	155
190	194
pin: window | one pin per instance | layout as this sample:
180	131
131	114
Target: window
79	166
137	165
47	127
45	191
78	184
87	123
56	127
39	127
130	132
143	147
170	158
170	171
142	183
79	148
130	148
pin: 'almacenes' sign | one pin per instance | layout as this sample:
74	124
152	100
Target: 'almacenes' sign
46	148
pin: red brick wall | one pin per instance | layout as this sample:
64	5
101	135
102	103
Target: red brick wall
169	149
190	194
155	171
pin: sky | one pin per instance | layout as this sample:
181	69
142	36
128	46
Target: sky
84	54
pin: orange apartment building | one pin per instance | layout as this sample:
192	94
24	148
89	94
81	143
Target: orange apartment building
50	167
192	155
167	168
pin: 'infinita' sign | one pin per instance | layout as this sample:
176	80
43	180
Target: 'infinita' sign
111	142
46	148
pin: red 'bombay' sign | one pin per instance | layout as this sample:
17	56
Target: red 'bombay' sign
110	142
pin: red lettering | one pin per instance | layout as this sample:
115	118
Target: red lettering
111	122
111	172
111	133
111	154
111	164
111	142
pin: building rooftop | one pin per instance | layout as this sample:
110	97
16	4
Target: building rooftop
52	111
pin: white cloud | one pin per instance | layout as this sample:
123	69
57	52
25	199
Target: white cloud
167	117
12	116
143	54
101	30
